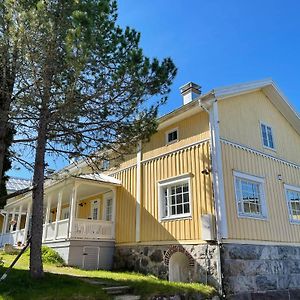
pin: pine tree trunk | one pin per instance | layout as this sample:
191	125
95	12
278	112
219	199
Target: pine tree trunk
36	266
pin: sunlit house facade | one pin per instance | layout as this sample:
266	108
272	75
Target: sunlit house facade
214	196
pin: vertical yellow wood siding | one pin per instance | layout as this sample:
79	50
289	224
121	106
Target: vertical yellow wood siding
126	206
240	119
277	227
191	160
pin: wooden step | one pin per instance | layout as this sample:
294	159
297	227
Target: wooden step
127	297
116	290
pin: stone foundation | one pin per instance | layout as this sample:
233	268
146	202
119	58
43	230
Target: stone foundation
249	269
155	260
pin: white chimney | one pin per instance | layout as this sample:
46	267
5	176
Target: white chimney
190	91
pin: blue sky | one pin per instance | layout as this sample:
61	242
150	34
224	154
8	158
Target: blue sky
219	42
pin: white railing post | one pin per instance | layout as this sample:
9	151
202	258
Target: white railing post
49	199
19	221
72	208
27	222
13	218
58	212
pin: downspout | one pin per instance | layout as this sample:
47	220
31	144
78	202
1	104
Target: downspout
218	182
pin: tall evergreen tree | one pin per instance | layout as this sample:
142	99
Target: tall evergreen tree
87	88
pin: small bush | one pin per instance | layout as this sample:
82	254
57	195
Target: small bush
49	256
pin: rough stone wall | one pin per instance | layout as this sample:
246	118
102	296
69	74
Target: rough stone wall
155	259
260	268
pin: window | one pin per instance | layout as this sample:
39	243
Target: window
293	202
108	209
172	136
250	196
65	213
175	198
267	136
95	210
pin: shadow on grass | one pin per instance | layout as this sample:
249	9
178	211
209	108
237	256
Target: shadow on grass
19	286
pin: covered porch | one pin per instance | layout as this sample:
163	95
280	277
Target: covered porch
76	208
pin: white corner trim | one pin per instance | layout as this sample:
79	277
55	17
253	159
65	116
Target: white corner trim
217	170
138	193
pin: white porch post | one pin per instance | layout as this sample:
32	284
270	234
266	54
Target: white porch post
114	212
27	222
5	223
13	218
58	212
19	221
73	203
47	217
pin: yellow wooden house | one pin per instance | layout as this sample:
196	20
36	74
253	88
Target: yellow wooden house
214	197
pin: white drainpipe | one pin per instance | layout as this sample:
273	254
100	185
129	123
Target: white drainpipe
218	181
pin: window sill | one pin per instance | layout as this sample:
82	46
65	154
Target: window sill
171	143
178	217
270	149
294	222
253	217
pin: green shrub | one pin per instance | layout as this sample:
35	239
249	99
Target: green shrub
49	256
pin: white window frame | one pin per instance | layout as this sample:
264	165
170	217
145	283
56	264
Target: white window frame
167	135
92	208
262	137
106	197
162	184
291	188
261	183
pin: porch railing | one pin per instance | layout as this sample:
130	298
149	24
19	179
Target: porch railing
82	229
92	229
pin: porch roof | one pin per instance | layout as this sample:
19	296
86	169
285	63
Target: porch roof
100	178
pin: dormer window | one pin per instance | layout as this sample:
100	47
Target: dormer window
267	136
172	136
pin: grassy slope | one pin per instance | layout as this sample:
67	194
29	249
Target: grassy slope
63	283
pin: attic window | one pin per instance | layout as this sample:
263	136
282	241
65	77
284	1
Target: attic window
172	136
267	136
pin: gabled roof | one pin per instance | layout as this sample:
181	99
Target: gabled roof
270	89
267	86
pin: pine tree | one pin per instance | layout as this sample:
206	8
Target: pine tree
88	90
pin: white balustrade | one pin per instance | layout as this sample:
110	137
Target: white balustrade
62	229
49	231
82	229
92	229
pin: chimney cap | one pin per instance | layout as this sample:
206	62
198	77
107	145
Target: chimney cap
190	87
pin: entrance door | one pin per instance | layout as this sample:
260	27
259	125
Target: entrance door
91	258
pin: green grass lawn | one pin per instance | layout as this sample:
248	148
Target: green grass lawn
65	283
